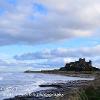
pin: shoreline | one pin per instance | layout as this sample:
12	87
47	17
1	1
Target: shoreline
83	74
60	91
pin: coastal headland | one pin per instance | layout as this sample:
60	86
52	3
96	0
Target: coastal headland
71	90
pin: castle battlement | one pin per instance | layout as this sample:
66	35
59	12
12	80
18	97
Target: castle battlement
80	65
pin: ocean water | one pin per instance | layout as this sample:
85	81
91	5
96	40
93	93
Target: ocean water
12	84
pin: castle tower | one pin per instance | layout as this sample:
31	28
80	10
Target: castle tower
81	60
90	63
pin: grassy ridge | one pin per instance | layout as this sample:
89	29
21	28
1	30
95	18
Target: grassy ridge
92	92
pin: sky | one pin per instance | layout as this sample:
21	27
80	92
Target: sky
46	34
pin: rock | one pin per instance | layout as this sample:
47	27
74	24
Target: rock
80	65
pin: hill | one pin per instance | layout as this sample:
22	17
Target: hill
80	65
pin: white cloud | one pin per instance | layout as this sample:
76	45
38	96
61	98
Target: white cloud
62	52
49	58
59	56
22	23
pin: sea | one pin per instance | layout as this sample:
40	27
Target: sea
17	83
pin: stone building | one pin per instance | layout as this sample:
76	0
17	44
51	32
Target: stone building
80	65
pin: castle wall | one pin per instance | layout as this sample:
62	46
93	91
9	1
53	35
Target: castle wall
79	65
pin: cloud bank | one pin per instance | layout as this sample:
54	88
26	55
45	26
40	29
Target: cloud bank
50	58
60	56
43	21
32	22
61	53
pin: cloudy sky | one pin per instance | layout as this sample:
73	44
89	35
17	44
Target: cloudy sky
45	34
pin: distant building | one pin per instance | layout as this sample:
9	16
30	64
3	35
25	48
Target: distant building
80	65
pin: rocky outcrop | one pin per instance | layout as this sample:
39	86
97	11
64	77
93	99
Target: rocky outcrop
80	65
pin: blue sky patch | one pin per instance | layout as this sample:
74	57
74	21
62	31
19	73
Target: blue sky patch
1	11
40	8
11	1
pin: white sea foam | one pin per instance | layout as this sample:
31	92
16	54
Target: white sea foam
12	84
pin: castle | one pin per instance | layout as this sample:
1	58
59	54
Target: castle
80	65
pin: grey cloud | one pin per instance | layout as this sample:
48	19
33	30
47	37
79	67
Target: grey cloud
61	53
53	58
67	19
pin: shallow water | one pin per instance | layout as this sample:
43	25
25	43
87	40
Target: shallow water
12	84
